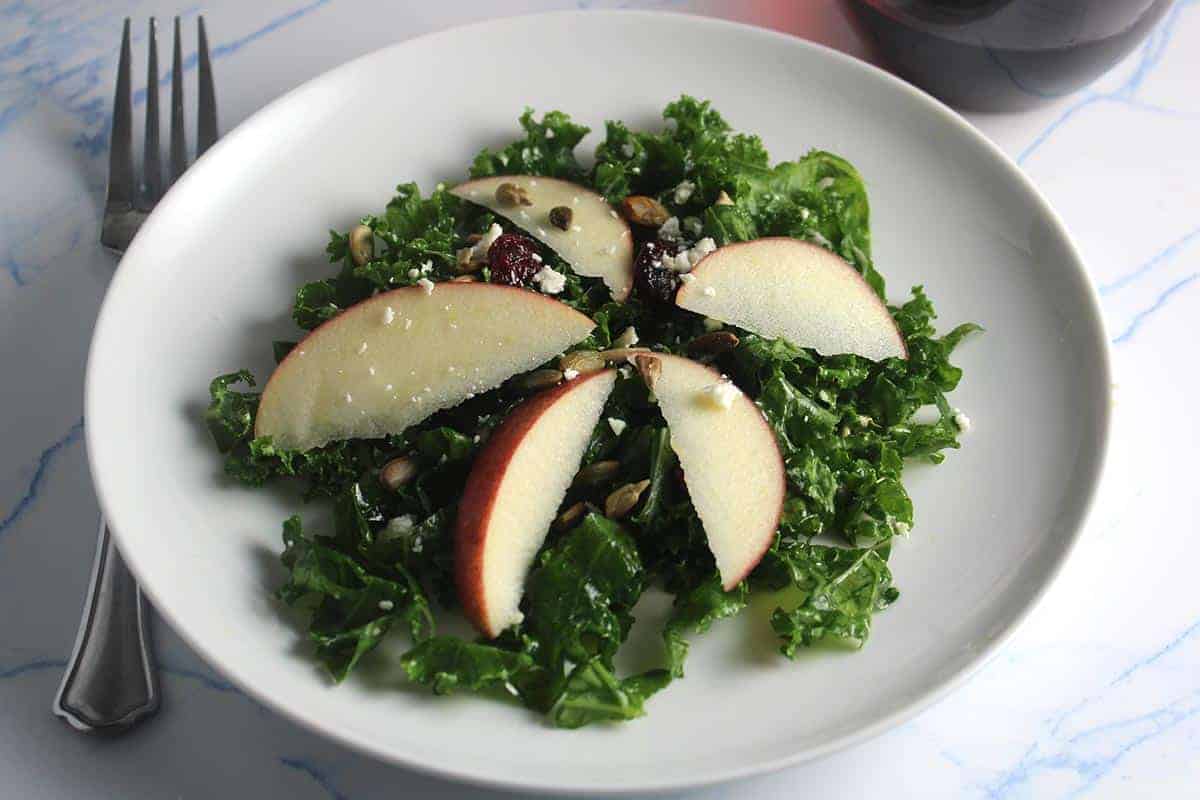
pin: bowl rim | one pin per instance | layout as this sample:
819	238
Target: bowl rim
1091	479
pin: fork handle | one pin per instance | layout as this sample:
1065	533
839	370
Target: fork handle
110	682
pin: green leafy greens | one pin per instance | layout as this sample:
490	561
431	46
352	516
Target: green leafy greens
846	427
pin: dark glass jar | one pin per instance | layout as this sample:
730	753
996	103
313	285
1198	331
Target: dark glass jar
1003	54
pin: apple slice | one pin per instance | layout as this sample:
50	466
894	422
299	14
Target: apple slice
731	462
395	358
515	487
796	291
597	242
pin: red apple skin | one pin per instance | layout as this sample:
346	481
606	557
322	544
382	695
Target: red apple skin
685	289
482	491
382	299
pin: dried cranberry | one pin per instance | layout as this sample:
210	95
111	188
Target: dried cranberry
512	260
652	280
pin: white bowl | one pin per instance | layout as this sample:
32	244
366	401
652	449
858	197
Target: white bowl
207	284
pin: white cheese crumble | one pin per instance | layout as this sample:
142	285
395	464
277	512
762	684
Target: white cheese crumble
414	273
683	192
386	605
389	315
549	280
962	421
669	230
549	135
570	374
401	525
617	425
627	150
426	286
687	277
477	253
694	226
720	395
710	291
711	324
684	260
625	372
824	183
628	338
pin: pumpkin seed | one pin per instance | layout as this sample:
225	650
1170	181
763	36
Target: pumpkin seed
570	516
561	216
397	472
362	244
581	361
621	502
540	379
642	210
598	472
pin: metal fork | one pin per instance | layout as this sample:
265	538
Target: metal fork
111	682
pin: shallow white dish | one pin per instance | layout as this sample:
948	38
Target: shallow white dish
207	285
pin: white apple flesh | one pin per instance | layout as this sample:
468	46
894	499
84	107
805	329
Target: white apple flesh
515	487
597	242
793	290
396	358
731	463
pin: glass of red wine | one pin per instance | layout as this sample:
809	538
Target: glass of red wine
1000	55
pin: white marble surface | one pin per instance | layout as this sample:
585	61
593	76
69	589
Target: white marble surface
1098	695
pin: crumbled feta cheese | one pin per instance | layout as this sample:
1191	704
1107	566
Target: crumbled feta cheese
414	273
720	395
386	605
536	258
628	338
711	324
669	230
962	421
549	135
687	277
401	525
426	267
694	226
864	420
625	372
824	183
612	213
362	348
389	315
549	280
683	192
426	285
617	425
710	291
804	213
570	374
901	528
627	150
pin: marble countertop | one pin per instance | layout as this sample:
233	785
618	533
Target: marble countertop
1097	695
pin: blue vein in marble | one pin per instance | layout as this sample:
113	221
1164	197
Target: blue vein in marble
39	475
37	665
1166	649
1158	260
1151	54
1161	301
319	776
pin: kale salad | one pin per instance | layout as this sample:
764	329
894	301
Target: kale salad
624	284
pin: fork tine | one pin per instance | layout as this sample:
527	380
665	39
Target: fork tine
152	156
206	127
120	154
178	135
